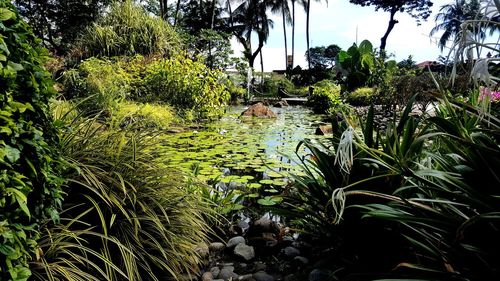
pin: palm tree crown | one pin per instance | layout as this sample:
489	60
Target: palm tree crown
450	19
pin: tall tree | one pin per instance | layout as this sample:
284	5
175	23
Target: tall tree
164	9
249	17
281	6
450	19
307	7
418	9
293	32
323	57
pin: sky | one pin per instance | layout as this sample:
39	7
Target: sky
336	23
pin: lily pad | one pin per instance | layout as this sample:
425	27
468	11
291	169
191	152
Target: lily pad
266	182
254	185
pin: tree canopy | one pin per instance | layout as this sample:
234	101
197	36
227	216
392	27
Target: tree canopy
418	9
323	57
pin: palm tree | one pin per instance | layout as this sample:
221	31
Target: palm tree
281	6
293	31
450	19
250	16
307	7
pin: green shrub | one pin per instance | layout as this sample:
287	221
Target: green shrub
138	116
274	82
101	83
325	97
195	90
236	92
361	96
127	29
29	184
126	216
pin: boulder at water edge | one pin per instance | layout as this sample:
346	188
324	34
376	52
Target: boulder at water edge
259	110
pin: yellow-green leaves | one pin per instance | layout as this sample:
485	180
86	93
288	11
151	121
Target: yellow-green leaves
6	14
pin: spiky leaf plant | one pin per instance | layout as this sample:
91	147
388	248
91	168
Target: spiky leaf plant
425	197
125	217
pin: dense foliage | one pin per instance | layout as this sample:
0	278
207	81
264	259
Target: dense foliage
357	64
361	96
188	85
59	22
421	193
127	29
29	186
325	97
195	91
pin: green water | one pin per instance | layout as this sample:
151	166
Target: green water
251	152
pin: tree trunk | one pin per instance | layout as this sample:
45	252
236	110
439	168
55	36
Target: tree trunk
392	23
177	8
307	34
213	15
261	72
284	34
230	13
293	32
164	9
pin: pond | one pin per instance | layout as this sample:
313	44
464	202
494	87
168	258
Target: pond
249	152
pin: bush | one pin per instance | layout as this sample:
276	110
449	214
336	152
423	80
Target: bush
126	217
325	97
361	96
127	29
425	86
29	184
195	90
101	83
139	116
273	82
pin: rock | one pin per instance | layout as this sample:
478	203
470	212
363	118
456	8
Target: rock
241	267
292	277
219	280
245	277
301	260
207	276
227	272
265	225
320	275
290	252
324	130
259	110
262	276
259	266
202	250
244	251
215	271
216	246
287	240
240	228
243	225
235	241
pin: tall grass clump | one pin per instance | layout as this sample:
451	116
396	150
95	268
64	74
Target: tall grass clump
125	217
126	30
